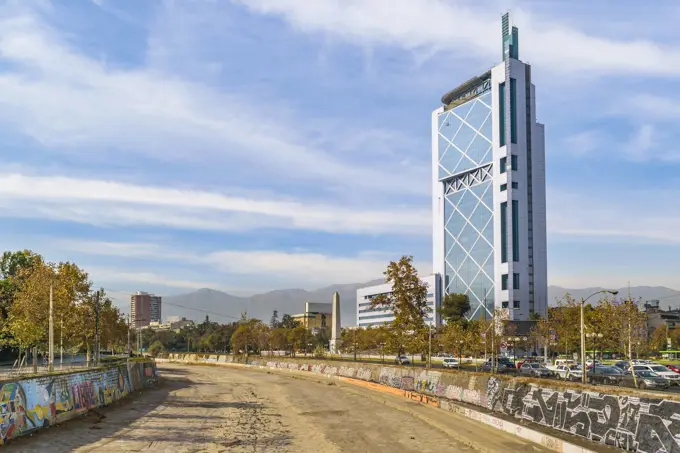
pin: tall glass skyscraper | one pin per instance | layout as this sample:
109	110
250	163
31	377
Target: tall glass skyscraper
488	170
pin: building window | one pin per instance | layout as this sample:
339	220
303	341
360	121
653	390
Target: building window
513	110
515	281
513	162
504	187
504	164
504	282
515	304
515	230
501	114
515	185
504	304
504	232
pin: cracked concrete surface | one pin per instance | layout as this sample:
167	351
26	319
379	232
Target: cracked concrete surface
219	409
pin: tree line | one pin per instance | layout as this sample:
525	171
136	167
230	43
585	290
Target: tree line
245	336
25	282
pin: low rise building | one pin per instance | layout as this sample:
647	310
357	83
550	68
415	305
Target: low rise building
657	317
377	316
317	317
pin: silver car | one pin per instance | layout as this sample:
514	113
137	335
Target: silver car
535	370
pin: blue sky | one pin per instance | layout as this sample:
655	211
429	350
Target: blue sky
262	144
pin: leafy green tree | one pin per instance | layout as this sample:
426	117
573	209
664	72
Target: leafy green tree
287	322
14	266
454	307
408	301
156	348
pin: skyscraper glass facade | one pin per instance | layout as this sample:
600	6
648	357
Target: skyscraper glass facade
465	168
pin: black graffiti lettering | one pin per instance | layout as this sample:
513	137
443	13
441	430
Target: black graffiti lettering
654	437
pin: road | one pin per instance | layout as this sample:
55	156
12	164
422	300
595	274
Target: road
222	409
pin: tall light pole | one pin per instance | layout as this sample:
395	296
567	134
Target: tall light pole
51	334
583	331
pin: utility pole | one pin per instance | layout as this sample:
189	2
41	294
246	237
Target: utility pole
129	347
51	334
96	328
61	342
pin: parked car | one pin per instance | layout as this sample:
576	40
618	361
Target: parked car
560	362
502	366
645	379
608	375
402	360
568	372
450	363
591	363
622	365
675	368
672	376
534	369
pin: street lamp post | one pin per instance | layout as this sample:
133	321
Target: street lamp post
583	330
595	336
382	352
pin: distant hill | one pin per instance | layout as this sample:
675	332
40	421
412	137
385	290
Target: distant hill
666	296
223	307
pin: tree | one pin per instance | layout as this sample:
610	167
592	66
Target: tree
408	301
454	306
14	266
657	340
535	316
274	322
287	322
156	348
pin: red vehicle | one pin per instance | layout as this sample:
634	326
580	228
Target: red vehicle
675	368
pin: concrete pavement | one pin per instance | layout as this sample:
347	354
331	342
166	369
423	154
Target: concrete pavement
219	409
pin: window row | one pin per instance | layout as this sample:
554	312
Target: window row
513	112
513	163
504	187
515	304
504	281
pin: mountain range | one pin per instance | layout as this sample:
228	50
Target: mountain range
223	307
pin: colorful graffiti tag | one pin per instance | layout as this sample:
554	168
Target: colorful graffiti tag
31	404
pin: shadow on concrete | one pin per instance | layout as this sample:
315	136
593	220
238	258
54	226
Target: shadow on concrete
90	428
213	404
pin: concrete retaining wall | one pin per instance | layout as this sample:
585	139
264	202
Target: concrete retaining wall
27	405
628	421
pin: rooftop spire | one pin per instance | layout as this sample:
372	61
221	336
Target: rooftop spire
510	39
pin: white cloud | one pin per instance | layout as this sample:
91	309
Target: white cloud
629	216
76	104
454	26
99	274
111	203
289	268
585	142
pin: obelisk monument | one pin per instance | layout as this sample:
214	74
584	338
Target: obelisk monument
335	331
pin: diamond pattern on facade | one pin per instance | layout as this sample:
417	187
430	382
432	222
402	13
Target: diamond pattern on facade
465	136
465	162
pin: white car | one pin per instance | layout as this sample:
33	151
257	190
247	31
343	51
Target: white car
661	370
560	362
450	363
570	372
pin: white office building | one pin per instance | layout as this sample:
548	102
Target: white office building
488	171
367	316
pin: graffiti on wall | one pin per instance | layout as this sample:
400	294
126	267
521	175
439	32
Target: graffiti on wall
31	404
643	425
